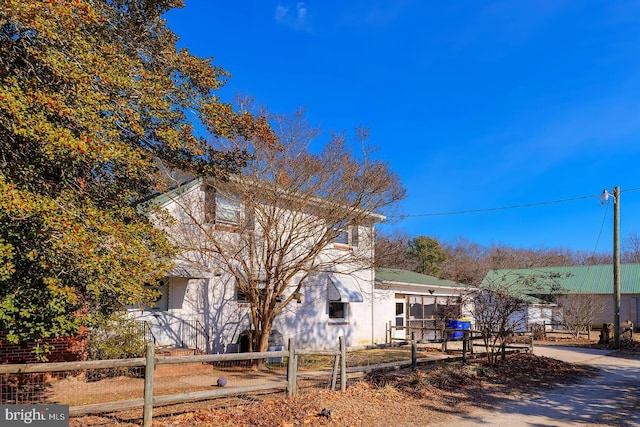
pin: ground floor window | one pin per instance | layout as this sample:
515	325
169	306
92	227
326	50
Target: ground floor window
161	302
337	310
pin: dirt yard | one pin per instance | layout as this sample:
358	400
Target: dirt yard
432	394
396	398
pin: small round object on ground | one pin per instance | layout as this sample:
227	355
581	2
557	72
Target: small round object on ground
222	381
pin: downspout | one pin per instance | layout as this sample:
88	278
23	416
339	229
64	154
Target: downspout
373	285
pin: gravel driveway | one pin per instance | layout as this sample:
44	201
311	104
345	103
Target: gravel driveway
609	399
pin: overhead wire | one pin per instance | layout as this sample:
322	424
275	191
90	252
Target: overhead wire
582	286
604	217
502	208
526	205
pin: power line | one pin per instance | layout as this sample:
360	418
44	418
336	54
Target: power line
604	218
527	205
503	208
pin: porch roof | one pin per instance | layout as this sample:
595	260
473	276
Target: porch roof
190	271
394	275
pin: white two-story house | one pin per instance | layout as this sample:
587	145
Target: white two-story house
319	260
243	241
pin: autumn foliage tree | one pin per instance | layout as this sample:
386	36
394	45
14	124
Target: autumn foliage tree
96	103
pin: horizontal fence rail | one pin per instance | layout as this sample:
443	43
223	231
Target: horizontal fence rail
286	380
282	375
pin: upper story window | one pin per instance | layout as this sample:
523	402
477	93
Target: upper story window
241	297
347	236
222	208
228	209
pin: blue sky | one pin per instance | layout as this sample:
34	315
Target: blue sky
475	104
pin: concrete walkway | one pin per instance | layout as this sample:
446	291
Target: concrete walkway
609	399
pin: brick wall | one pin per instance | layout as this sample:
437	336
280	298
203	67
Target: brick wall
64	350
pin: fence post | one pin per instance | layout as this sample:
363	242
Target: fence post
343	365
334	373
414	352
147	415
292	373
465	340
533	338
388	334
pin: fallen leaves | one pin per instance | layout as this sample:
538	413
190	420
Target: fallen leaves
431	394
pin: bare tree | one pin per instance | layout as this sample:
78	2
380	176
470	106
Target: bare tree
590	258
631	248
505	257
295	212
469	262
494	312
393	251
500	304
579	311
466	262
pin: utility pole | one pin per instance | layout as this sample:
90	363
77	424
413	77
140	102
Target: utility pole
616	267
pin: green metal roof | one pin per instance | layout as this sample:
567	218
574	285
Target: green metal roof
592	279
411	277
160	199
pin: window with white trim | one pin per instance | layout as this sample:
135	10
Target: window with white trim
338	310
222	208
341	291
347	236
241	297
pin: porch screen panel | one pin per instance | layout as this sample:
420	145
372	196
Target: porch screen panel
429	304
447	308
415	317
415	307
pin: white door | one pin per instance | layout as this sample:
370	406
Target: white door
399	332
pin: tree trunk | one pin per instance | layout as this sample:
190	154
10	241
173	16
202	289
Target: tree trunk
263	338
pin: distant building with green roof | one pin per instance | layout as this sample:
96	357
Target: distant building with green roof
596	280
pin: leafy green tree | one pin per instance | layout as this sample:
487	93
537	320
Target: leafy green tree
429	255
96	103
